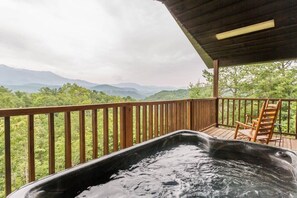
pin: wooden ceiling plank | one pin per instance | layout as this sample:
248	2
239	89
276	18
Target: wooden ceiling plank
273	55
286	35
250	37
235	10
187	7
255	49
282	17
204	9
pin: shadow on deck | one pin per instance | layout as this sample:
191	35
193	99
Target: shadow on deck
228	133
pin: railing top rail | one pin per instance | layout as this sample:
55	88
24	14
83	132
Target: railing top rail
272	99
68	108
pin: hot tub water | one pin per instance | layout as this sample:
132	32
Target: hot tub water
190	171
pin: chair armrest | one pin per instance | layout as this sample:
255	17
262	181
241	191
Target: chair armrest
243	125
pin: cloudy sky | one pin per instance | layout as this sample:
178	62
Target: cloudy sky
102	41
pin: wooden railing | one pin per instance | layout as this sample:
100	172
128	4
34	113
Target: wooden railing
90	131
235	109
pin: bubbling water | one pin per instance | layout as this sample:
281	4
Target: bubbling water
189	171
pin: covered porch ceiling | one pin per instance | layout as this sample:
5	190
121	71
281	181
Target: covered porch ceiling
202	20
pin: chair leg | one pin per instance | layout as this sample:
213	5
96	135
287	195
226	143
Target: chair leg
268	139
236	131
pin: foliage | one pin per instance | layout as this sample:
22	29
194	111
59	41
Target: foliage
68	94
169	95
266	80
200	90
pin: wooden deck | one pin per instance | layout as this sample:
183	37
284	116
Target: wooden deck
228	133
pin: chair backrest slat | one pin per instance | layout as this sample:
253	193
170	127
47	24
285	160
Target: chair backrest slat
265	122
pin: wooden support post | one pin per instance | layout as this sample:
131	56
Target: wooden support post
216	88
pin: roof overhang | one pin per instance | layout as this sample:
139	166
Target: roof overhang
203	20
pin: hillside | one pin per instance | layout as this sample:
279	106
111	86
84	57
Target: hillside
117	91
169	95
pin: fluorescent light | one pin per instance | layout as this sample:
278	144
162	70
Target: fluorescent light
246	29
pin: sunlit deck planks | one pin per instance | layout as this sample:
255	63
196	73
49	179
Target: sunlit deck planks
228	133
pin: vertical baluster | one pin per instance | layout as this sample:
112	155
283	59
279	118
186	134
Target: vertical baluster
105	132
177	115
173	116
296	122
144	123
289	114
166	118
228	112
222	111
67	122
95	133
169	118
258	108
252	105
196	115
7	155
244	116
51	142
123	127
150	121
189	114
233	112
280	114
162	119
156	117
82	137
137	124
115	129
182	116
31	155
239	103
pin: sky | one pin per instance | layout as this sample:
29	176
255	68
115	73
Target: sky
101	41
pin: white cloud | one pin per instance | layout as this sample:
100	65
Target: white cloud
103	41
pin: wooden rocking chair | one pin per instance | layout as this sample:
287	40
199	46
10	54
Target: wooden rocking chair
262	128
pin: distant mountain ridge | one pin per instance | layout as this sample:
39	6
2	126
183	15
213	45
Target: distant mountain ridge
31	81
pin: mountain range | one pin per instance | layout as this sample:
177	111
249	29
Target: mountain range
31	81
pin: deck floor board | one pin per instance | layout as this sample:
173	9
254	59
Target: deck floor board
228	133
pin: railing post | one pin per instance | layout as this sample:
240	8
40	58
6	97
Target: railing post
190	114
126	120
216	88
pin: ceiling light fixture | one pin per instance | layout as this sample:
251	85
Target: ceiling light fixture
247	29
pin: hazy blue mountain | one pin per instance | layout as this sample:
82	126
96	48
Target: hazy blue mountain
14	76
145	89
30	88
31	81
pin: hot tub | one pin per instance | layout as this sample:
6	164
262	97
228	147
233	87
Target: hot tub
180	164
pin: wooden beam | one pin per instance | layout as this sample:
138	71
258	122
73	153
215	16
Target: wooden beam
216	78
216	89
